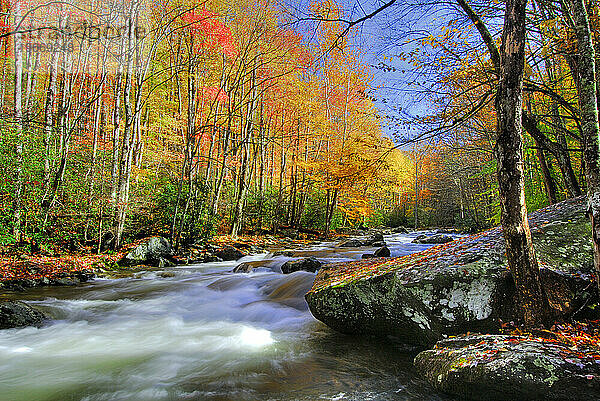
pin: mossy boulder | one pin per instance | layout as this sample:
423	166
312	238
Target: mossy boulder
456	287
18	314
497	367
155	251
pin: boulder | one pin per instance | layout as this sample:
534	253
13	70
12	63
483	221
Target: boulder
351	243
156	251
367	256
383	252
447	231
243	268
496	367
285	252
307	264
460	286
229	253
400	230
433	239
373	239
18	314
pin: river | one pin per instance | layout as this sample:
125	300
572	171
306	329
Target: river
202	333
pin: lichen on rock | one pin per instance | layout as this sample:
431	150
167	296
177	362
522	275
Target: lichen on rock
456	287
500	367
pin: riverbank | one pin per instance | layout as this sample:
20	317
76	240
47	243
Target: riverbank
203	332
19	271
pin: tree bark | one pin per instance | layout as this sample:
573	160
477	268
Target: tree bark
509	155
586	85
18	53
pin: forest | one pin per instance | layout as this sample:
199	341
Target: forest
187	120
254	177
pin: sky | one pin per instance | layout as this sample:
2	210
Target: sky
382	37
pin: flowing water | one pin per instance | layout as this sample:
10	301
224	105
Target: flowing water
202	333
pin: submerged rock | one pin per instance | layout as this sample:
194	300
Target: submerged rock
456	287
18	314
494	367
433	239
154	252
307	264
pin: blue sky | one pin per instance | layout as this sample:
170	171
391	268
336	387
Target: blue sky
382	37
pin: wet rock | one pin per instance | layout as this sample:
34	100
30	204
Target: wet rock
229	253
378	244
307	264
419	238
383	252
400	230
243	268
285	252
367	256
351	243
166	274
154	252
447	231
433	239
65	282
18	314
494	367
373	239
460	286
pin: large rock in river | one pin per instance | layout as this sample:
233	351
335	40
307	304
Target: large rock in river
19	314
229	253
433	239
310	264
494	367
156	251
456	287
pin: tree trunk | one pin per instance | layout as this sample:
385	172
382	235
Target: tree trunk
549	184
588	103
18	202
509	154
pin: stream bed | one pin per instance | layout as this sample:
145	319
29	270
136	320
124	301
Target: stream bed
200	332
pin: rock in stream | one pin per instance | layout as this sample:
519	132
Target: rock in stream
456	287
498	367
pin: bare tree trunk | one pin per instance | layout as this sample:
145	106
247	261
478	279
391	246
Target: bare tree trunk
127	147
49	118
549	184
586	85
416	209
509	154
18	201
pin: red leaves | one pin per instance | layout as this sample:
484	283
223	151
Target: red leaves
215	93
215	34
